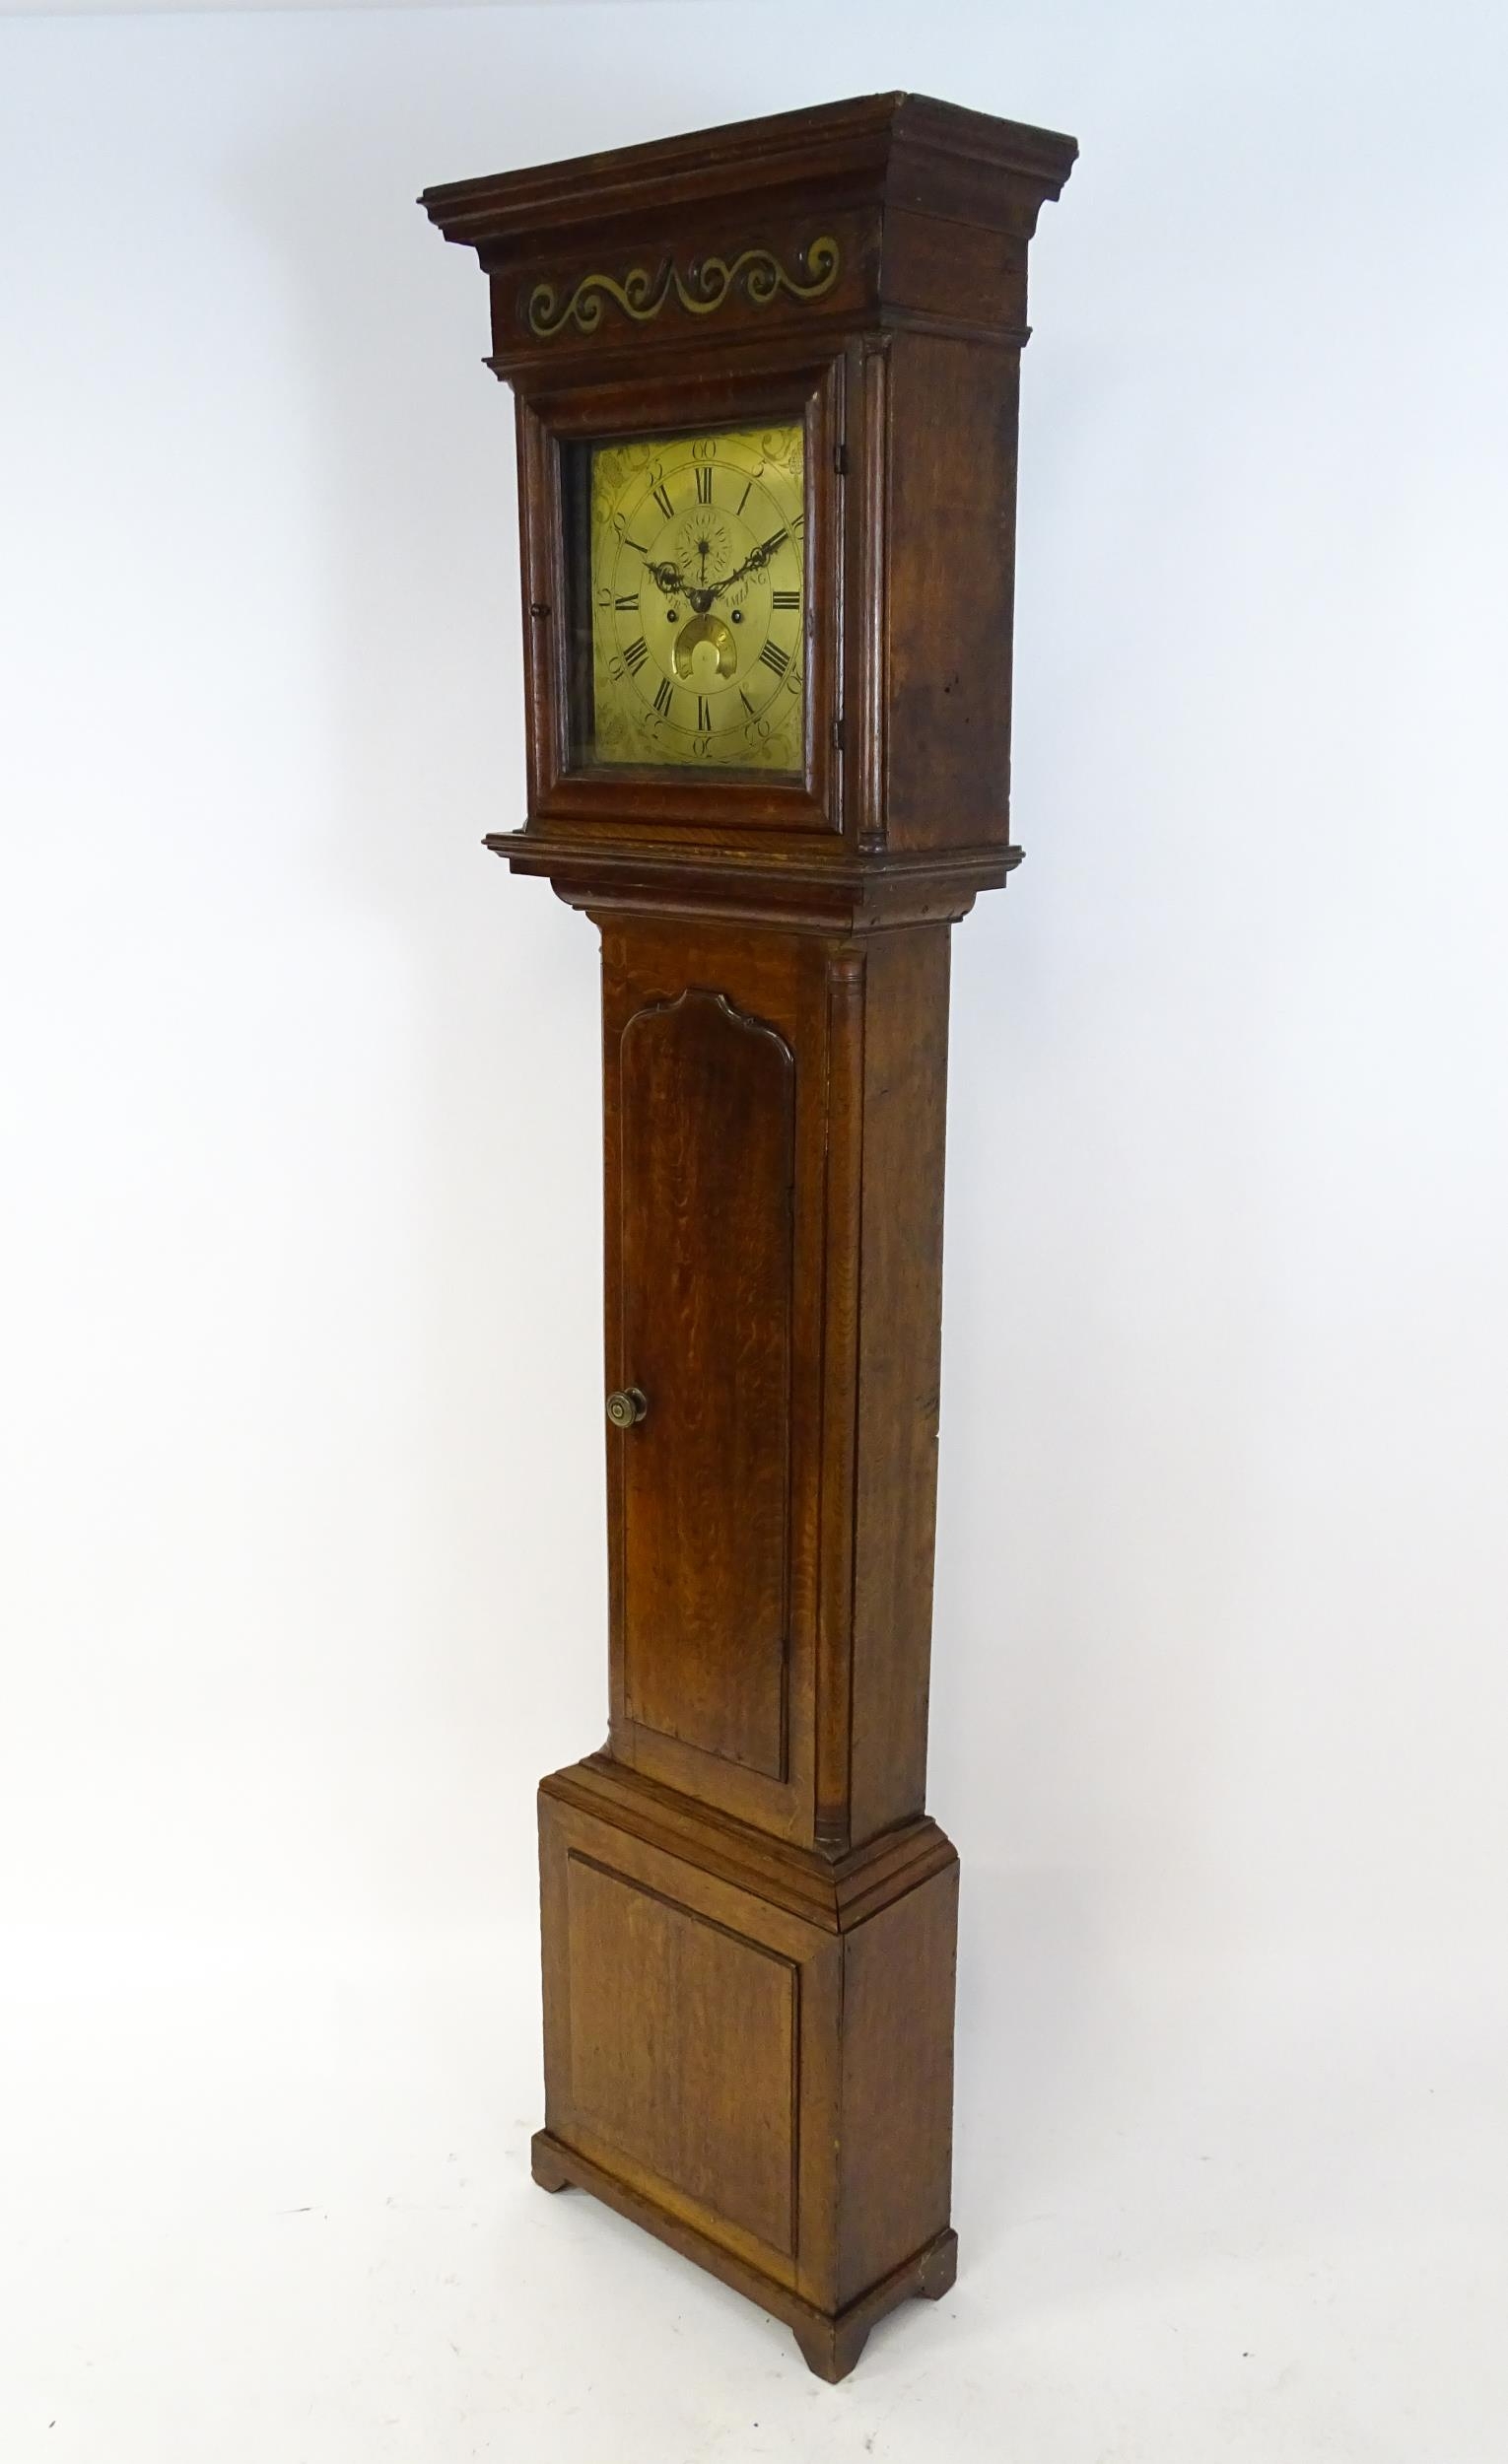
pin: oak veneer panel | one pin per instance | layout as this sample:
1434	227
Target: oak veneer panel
949	610
899	1349
713	1167
653	1986
897	2128
708	1166
977	277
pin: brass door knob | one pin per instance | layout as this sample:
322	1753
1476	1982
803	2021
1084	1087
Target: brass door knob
626	1406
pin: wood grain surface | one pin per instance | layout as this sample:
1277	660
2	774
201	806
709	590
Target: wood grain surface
749	1920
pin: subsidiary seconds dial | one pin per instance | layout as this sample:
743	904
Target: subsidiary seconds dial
698	600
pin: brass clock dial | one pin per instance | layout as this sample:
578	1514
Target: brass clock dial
698	600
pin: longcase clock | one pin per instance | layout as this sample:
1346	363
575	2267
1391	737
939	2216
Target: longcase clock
765	395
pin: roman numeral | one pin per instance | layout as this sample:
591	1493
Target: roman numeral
778	598
703	483
798	522
634	657
703	716
775	658
743	499
662	697
662	497
632	543
747	704
631	601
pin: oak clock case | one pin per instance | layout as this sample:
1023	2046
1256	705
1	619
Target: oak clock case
766	394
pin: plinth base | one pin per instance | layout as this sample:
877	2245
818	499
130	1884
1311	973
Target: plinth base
748	2048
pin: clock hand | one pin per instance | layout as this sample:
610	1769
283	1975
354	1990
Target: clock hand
673	583
753	562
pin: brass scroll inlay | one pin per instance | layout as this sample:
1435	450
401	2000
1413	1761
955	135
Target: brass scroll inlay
709	280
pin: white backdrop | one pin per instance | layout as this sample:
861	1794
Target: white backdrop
301	1555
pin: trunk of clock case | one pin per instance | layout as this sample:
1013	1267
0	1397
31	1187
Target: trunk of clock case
774	1107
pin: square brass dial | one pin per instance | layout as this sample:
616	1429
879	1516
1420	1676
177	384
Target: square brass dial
698	583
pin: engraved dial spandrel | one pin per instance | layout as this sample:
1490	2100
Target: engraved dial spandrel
698	600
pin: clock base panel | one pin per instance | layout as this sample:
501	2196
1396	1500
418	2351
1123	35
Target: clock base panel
750	2053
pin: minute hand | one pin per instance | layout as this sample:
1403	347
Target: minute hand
752	562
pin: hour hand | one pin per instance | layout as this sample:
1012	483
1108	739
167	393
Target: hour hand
670	578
